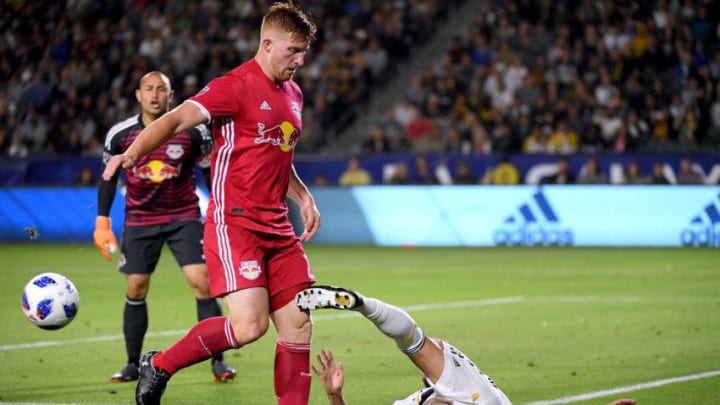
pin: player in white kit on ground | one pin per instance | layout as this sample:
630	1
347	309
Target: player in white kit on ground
451	377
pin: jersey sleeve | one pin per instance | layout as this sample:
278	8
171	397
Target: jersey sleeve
112	145
219	98
202	145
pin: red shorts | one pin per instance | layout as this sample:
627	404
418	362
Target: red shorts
238	258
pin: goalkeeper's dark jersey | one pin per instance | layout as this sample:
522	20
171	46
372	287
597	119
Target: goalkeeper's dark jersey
161	186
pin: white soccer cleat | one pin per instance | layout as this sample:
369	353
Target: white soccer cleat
327	296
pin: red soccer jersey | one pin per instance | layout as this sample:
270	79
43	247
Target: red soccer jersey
256	125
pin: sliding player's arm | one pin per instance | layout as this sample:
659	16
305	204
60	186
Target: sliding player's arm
331	376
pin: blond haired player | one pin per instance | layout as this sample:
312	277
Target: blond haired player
255	261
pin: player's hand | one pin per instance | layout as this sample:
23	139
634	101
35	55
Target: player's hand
311	219
330	373
104	237
115	163
623	402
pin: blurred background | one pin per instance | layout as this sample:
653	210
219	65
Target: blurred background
619	98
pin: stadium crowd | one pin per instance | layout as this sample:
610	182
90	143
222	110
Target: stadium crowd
566	77
527	77
68	69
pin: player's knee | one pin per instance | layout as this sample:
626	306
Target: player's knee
201	290
248	330
137	289
304	330
299	330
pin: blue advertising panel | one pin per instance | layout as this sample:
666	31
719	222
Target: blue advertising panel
665	216
541	216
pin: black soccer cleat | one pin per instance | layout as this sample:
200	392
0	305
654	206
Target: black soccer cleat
222	371
327	296
152	382
129	373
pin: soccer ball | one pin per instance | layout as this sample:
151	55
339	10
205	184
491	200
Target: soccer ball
50	301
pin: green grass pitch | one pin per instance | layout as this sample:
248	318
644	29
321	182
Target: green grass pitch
546	324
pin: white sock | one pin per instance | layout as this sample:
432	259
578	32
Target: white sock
395	323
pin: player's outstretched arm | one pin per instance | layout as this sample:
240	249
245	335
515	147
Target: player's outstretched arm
331	376
181	118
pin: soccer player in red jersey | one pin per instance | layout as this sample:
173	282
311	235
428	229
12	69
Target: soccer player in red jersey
255	260
160	207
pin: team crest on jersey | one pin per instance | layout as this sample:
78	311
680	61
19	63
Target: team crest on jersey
174	151
284	135
296	109
250	269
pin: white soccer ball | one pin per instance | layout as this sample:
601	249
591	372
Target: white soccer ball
50	301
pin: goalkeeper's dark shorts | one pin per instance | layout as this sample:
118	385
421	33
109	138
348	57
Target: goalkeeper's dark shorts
141	245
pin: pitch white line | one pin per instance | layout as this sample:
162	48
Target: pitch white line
342	315
622	299
410	308
628	388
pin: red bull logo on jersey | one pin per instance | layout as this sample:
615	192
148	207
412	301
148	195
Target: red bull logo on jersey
157	171
250	269
284	135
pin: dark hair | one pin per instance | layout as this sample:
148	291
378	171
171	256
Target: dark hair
291	18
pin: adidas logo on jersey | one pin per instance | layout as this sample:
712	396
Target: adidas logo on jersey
704	229
535	223
265	106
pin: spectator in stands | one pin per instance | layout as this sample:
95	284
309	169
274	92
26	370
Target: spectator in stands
563	175
563	140
633	175
505	173
85	178
687	175
378	142
320	180
464	174
399	174
423	173
658	175
376	57
432	141
591	173
537	142
17	148
355	175
638	130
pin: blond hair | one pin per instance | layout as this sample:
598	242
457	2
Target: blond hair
290	18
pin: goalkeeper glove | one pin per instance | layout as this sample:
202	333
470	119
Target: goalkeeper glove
104	237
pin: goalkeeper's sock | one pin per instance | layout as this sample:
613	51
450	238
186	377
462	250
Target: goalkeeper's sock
395	323
292	373
135	324
207	338
208	308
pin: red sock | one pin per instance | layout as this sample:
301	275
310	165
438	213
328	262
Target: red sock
292	373
207	338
